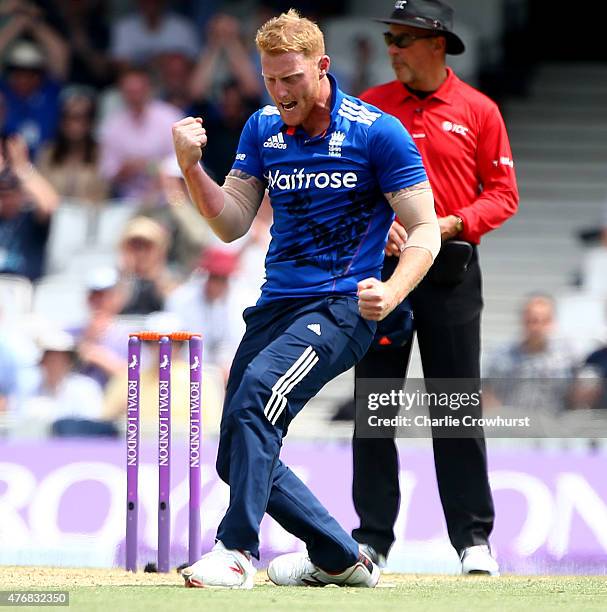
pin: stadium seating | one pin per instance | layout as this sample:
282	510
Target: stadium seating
61	300
70	233
15	298
594	272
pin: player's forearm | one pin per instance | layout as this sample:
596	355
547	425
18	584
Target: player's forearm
414	207
413	265
230	209
204	191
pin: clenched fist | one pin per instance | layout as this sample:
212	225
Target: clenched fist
189	138
376	300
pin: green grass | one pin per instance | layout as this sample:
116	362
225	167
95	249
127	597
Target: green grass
403	593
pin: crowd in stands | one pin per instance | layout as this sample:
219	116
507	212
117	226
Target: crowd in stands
543	369
86	109
584	313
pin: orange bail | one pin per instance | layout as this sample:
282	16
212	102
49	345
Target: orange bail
147	336
182	336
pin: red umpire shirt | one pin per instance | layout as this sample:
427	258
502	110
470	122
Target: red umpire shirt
463	141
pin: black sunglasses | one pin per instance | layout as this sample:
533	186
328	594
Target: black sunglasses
403	40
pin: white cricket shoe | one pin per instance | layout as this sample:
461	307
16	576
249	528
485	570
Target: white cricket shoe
296	569
222	569
477	560
376	557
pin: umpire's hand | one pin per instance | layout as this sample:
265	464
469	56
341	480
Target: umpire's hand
396	240
376	300
189	138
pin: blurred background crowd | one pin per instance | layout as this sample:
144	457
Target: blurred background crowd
98	236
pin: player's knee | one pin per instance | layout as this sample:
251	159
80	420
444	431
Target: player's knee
254	388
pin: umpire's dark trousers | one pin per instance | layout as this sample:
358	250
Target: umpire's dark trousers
447	322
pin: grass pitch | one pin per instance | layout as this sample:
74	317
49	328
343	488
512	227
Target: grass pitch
115	590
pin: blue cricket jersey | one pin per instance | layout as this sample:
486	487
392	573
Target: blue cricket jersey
331	219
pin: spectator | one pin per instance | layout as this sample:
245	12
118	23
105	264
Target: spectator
100	344
208	304
201	12
84	27
137	38
224	122
61	398
70	162
590	387
135	140
224	45
173	75
27	202
143	263
34	73
537	370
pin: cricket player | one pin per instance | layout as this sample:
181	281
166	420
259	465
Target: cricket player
336	170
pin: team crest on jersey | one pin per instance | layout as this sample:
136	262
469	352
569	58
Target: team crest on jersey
275	142
335	144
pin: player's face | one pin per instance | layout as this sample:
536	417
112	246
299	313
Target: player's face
293	82
412	62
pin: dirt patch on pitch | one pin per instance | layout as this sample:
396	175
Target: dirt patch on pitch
32	578
37	578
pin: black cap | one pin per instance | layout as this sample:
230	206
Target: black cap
427	15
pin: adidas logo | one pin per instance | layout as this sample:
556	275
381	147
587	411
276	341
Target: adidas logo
275	142
315	327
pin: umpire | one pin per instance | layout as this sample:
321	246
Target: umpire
464	145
